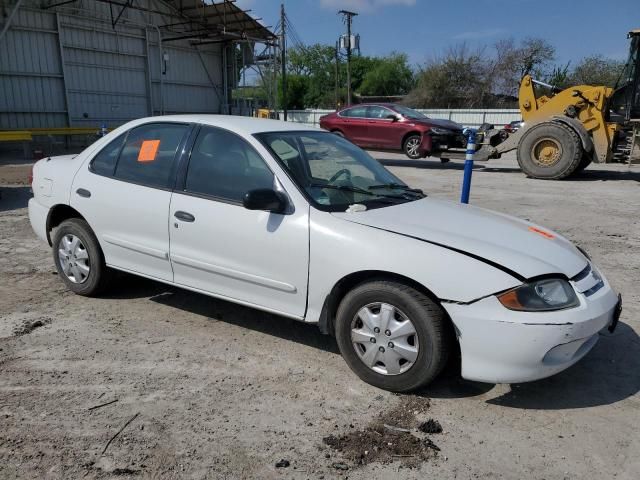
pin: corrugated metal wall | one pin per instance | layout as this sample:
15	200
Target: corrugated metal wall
67	66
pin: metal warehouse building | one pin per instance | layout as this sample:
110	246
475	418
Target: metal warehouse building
84	63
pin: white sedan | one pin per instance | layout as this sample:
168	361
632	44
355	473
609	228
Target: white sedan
302	223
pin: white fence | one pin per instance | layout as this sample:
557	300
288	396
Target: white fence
465	117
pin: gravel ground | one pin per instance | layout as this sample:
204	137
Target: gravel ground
208	389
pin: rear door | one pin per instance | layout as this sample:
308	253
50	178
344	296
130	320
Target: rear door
124	193
355	125
220	247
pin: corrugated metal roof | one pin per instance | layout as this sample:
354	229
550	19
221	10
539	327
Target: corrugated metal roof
216	21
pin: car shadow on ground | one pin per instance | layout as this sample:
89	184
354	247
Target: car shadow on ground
14	198
595	175
608	374
129	287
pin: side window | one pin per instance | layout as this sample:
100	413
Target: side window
223	165
148	154
355	112
104	163
378	112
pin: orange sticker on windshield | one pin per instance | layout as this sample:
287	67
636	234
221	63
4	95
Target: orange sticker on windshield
148	150
544	233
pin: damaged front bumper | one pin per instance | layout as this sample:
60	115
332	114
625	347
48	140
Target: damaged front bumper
504	346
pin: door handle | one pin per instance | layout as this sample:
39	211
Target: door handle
83	192
184	216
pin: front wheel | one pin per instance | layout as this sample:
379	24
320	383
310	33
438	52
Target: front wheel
550	151
392	336
411	146
78	258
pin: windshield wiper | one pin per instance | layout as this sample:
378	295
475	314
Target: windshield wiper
397	186
349	188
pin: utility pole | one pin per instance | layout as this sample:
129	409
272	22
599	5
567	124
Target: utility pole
348	16
337	76
283	59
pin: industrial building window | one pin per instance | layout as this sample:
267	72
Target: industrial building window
104	163
223	165
149	152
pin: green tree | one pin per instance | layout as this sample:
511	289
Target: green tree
316	63
597	70
454	80
297	88
390	75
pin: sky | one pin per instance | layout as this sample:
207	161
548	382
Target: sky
424	28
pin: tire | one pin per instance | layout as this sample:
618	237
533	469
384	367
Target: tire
86	253
410	147
550	151
338	132
584	163
431	336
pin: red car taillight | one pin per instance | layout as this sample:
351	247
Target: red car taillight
31	175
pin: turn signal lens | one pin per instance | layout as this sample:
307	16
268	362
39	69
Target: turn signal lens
540	296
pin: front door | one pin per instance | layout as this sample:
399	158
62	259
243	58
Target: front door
218	246
124	193
383	131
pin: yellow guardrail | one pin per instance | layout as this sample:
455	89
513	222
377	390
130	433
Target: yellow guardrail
65	131
27	135
16	136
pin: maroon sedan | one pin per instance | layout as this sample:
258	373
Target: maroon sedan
387	126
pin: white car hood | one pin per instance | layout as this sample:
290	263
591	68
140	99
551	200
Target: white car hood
491	236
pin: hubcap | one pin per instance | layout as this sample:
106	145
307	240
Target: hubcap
547	152
384	338
412	147
74	259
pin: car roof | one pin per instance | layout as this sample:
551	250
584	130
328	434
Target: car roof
372	104
235	123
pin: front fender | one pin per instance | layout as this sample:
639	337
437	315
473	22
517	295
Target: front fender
339	248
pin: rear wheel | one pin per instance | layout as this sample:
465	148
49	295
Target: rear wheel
550	151
411	146
78	258
392	336
337	132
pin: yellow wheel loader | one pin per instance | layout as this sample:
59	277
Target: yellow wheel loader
565	130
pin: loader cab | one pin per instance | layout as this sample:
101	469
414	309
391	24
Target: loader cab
624	105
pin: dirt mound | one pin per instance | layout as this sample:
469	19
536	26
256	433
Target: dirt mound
29	326
392	436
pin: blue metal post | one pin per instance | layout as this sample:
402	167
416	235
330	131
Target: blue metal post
468	164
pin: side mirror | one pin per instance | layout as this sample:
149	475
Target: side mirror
265	199
393	118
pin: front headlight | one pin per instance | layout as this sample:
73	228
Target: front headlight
440	131
540	296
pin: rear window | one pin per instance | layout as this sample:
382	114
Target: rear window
354	112
104	163
149	152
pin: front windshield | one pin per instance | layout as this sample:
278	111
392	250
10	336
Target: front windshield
409	112
334	173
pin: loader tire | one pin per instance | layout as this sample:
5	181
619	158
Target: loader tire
584	163
550	151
